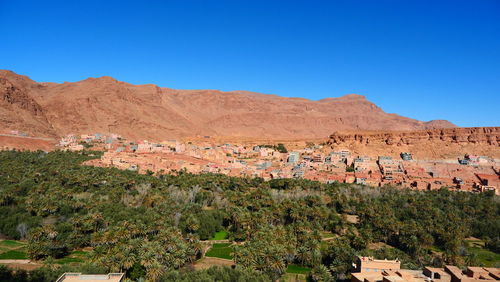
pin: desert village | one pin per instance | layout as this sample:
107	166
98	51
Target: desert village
320	162
233	141
323	163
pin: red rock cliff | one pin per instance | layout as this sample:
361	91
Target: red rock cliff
429	143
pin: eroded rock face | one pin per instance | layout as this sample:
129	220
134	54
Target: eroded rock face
475	135
18	109
431	142
10	94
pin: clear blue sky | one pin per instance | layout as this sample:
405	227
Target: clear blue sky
421	59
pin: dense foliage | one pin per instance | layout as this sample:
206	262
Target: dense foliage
222	274
45	273
151	225
280	147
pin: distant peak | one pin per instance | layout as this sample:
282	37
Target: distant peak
101	79
345	97
5	72
19	79
439	123
353	96
106	78
9	73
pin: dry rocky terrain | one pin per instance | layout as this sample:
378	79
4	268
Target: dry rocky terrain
435	143
151	112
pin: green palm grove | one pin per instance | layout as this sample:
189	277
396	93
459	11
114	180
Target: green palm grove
153	226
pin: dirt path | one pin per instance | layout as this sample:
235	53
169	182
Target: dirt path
29	137
215	241
26	143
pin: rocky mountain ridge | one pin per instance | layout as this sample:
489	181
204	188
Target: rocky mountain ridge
151	112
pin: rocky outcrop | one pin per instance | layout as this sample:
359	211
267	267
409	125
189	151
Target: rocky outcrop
10	94
474	135
428	143
18	108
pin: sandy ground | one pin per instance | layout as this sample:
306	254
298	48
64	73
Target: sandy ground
351	218
208	262
26	143
20	264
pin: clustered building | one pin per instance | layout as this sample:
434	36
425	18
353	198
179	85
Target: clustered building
471	173
369	269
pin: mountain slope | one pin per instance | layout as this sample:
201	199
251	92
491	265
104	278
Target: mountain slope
18	110
148	111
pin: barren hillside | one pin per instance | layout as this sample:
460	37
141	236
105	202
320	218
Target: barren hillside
148	111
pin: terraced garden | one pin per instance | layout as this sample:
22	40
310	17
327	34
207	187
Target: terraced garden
223	251
11	249
221	235
482	255
17	250
297	269
73	257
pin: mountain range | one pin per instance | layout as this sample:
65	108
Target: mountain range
148	111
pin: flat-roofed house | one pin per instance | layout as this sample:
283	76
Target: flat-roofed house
366	277
494	272
437	274
369	264
318	158
293	157
361	178
488	179
389	276
482	273
454	274
393	278
75	277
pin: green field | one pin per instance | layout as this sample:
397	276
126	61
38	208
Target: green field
482	255
66	260
14	254
293	268
220	251
221	235
294	277
485	257
11	249
11	243
326	234
73	257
